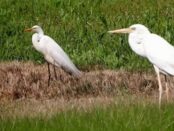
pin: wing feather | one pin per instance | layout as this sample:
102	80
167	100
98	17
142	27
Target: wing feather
60	57
159	52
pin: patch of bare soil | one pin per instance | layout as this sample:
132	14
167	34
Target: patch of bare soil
19	80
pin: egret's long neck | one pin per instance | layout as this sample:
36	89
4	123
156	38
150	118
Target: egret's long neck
37	36
40	32
36	40
136	43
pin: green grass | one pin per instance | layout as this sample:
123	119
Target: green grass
80	27
133	117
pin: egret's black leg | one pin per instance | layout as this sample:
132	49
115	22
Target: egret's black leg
49	74
55	74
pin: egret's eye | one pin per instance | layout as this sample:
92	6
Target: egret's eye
133	28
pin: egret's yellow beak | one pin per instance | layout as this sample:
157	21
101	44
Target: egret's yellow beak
28	30
124	30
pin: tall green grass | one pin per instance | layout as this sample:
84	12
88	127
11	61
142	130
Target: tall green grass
134	117
80	27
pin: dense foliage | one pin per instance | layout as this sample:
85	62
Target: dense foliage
80	27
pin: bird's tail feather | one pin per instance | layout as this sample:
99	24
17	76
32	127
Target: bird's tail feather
77	73
73	71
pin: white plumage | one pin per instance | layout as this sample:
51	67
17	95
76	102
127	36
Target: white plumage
156	49
52	52
160	53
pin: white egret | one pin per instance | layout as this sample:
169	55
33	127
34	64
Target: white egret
52	52
156	49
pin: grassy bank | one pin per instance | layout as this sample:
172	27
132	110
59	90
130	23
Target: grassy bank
80	28
133	117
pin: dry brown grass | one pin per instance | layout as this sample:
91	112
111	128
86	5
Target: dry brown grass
27	80
24	90
48	108
29	108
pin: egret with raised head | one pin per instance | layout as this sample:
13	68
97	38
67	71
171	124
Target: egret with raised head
155	48
52	52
